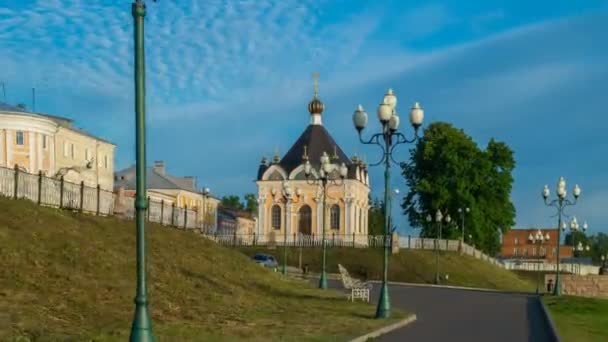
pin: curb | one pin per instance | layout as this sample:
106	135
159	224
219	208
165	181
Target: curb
549	320
385	330
454	287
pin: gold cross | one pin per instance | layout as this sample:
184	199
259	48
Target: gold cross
305	156
315	83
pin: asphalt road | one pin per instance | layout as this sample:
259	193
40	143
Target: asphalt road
464	315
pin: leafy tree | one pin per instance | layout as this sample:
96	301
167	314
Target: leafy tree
376	217
447	171
232	201
251	203
599	247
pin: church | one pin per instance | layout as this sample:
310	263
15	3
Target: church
291	207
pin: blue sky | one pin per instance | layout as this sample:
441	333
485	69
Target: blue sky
229	81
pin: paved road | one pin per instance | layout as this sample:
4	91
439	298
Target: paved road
464	315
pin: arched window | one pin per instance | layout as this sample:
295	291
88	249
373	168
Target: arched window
276	217
335	216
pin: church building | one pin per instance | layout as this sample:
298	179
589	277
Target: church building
291	207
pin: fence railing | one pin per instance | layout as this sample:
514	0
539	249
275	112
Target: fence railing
164	213
58	193
299	240
573	268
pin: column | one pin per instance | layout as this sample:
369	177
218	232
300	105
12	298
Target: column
52	151
288	218
319	216
32	150
347	227
261	212
39	155
2	148
9	148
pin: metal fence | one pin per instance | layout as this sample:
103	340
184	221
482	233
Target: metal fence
300	240
58	193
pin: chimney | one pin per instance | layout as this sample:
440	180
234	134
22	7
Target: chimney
159	167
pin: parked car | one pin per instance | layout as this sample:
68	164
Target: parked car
266	260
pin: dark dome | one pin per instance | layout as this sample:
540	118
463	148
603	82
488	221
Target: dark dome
315	106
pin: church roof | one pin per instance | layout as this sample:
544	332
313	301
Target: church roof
317	140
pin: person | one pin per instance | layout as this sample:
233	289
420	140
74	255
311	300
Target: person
305	269
550	285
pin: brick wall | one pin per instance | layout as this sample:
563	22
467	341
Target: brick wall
583	286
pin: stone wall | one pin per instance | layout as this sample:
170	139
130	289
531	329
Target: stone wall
583	286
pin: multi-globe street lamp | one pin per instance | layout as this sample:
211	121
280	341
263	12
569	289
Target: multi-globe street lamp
287	197
462	211
538	239
438	221
387	139
141	328
560	203
327	174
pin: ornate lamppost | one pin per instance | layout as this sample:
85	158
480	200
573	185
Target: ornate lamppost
560	203
327	174
387	139
287	196
462	211
141	329
438	221
538	239
205	192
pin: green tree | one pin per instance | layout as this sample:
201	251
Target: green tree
447	171
376	217
251	203
232	201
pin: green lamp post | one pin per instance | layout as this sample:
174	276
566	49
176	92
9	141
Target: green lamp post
324	176
288	199
560	203
141	329
438	220
538	239
388	139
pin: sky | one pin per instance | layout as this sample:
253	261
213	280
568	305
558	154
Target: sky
229	81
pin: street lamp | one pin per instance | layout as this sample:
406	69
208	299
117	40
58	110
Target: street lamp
287	197
538	239
327	174
205	192
462	211
141	328
560	203
388	139
438	221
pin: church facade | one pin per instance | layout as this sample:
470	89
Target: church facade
291	207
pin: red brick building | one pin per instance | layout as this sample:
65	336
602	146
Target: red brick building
516	245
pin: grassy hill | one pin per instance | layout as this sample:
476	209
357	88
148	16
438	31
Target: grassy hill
65	276
415	266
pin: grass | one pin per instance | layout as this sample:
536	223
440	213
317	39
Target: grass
414	266
65	276
579	319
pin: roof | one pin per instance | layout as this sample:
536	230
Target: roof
154	180
61	121
317	140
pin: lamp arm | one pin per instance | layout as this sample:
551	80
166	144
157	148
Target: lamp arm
373	140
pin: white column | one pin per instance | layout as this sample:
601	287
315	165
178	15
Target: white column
9	148
52	151
260	226
2	145
39	155
319	216
288	218
32	152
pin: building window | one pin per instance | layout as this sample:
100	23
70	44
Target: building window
335	216
105	161
533	251
276	217
44	142
87	154
516	241
72	151
515	251
554	251
543	251
525	252
19	138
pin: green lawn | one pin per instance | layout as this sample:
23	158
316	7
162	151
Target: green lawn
415	266
65	276
579	319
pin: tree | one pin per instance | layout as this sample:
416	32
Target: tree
232	201
447	171
376	217
251	203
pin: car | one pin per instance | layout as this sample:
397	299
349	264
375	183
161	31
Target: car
266	260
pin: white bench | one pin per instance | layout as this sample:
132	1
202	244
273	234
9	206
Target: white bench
358	289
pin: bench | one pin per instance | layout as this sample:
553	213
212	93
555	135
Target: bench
358	289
